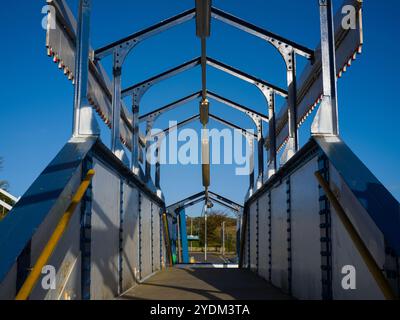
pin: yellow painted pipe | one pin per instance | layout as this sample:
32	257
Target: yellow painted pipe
369	260
35	273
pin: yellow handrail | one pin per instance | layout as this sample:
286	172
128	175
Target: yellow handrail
369	260
35	273
167	239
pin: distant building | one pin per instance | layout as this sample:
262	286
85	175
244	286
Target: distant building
7	201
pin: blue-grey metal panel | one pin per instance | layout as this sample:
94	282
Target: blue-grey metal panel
48	196
371	194
130	254
279	238
8	286
253	236
306	247
105	233
146	241
263	250
343	250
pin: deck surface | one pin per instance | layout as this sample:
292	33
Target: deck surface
205	284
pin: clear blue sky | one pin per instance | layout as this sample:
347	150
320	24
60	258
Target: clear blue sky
36	104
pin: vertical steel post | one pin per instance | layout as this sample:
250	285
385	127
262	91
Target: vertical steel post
205	234
157	178
251	160
292	145
116	145
223	238
84	123
135	135
149	127
272	136
260	144
326	121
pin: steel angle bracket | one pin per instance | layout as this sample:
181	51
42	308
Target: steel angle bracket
349	44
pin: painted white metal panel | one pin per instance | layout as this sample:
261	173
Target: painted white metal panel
263	245
130	254
156	238
253	236
146	239
344	251
105	233
279	237
66	261
306	245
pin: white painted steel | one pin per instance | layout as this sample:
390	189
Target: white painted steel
279	237
306	245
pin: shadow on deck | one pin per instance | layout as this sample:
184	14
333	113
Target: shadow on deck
205	284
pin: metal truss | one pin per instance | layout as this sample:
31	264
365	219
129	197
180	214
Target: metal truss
71	37
200	197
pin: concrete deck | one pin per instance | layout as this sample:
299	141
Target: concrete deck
205	284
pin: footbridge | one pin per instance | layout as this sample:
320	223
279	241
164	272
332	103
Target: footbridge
95	224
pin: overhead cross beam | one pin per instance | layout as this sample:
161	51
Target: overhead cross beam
146	33
144	85
152	116
259	83
260	32
231	125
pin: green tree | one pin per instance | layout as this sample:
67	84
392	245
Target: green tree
3	183
214	230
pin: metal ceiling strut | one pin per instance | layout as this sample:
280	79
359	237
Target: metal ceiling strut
267	89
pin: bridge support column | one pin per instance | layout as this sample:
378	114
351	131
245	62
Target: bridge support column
85	123
326	121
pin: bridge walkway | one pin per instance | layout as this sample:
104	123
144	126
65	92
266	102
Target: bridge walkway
188	283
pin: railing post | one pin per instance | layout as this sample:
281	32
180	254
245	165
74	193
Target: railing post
85	123
326	120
